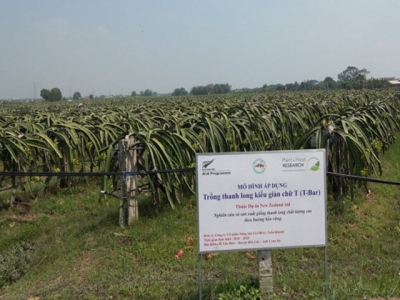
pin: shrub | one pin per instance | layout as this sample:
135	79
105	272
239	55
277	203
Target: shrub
15	262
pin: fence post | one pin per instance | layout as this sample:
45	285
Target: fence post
265	274
128	209
64	180
132	197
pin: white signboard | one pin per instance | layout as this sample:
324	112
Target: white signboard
261	200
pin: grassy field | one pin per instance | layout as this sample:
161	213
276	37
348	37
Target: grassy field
66	245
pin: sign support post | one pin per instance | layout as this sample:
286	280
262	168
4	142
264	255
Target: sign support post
265	273
200	278
326	271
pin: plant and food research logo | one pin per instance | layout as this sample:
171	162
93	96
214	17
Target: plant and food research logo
313	164
259	166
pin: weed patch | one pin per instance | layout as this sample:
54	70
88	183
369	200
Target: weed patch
15	262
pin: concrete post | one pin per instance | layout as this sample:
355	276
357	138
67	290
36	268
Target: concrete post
265	274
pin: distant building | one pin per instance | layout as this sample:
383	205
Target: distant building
394	82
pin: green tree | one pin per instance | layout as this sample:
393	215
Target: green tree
280	87
133	94
306	85
320	85
199	90
330	82
353	74
148	92
221	88
56	94
347	85
264	88
291	86
45	94
376	83
179	92
210	88
348	75
77	96
362	74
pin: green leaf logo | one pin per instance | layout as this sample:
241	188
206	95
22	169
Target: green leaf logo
314	163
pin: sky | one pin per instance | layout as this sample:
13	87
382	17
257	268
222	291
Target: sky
113	47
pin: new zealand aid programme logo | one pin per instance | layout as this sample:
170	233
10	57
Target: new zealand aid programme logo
313	164
207	163
207	170
259	166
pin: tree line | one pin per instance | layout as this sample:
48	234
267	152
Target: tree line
208	89
351	78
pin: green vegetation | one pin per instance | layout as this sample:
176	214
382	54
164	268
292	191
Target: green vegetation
350	79
209	89
53	95
354	127
179	92
15	263
77	96
146	93
64	243
77	250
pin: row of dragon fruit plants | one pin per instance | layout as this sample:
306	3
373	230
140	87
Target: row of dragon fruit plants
355	127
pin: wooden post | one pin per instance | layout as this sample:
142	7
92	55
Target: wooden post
64	180
128	209
265	274
132	197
